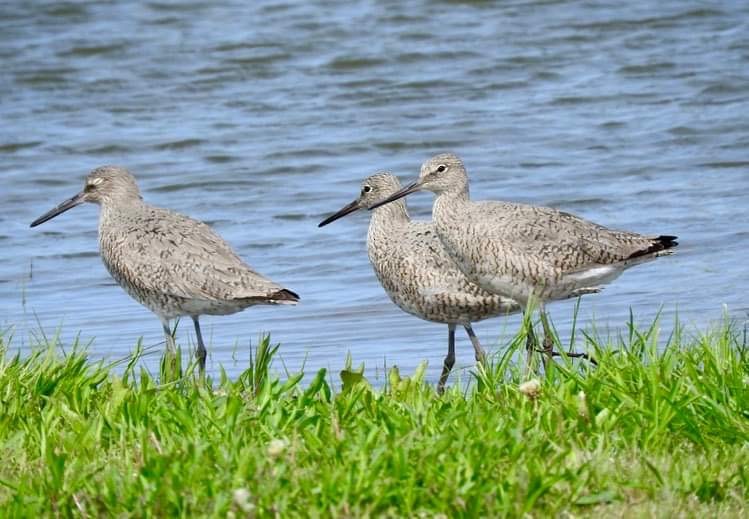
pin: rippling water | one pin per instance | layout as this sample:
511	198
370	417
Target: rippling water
262	118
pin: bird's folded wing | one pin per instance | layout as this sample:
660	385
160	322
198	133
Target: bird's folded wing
188	259
553	238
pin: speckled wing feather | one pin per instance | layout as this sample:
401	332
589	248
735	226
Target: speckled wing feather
421	278
560	240
167	252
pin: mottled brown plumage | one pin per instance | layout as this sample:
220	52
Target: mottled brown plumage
526	252
173	265
415	270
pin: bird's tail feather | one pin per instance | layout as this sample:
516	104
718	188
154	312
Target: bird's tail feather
284	297
658	246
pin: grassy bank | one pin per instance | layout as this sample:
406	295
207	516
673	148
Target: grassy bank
646	433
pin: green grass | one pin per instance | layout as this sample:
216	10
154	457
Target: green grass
649	432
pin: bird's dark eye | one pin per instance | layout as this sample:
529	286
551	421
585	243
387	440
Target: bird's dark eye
441	168
366	189
88	188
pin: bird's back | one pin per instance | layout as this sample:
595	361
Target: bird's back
176	265
564	240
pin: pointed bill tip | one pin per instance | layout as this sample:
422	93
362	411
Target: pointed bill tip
347	209
67	204
411	188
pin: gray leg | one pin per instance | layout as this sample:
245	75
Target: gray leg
477	349
530	342
449	360
171	346
548	348
200	353
170	368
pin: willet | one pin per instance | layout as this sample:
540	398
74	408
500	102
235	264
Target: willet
171	264
526	252
416	272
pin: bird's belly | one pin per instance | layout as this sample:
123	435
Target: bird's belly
440	295
505	285
205	307
163	305
444	308
169	306
592	277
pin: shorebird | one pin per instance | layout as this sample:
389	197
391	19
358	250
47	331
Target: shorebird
416	272
525	252
171	264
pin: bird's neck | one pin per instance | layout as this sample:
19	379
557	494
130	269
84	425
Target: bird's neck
385	219
394	213
451	200
112	212
448	206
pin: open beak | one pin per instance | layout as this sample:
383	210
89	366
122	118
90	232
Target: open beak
67	204
347	209
411	188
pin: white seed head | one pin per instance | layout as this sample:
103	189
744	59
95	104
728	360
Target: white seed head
241	499
530	388
276	447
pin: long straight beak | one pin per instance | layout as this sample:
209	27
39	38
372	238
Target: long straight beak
347	209
411	188
67	204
